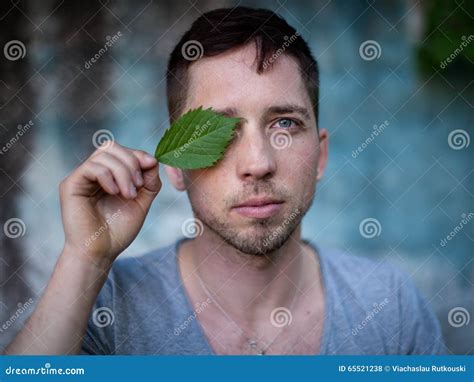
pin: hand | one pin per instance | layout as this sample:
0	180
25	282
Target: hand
104	201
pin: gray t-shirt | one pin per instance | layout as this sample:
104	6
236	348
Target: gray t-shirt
370	308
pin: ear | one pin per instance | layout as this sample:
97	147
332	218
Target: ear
176	177
323	152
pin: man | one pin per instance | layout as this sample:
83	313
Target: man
248	283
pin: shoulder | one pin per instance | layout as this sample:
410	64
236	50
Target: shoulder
379	305
359	275
151	276
155	263
133	283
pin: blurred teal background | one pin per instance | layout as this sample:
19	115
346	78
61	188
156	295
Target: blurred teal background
404	64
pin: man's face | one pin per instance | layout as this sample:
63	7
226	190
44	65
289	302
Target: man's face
273	159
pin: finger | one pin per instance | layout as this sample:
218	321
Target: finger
151	187
129	159
96	172
152	181
121	173
146	160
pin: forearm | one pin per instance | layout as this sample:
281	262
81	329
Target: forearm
60	319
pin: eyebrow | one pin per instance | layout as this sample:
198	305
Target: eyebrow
288	109
230	112
277	109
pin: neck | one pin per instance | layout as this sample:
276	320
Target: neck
246	285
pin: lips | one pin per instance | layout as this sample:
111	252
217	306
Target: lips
260	208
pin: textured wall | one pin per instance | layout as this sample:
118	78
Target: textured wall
411	174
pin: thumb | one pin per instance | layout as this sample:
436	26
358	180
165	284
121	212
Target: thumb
151	187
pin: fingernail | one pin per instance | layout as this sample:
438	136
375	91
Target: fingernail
133	191
150	159
139	178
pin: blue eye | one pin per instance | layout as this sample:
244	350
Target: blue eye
286	123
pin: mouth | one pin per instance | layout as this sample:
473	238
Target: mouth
260	208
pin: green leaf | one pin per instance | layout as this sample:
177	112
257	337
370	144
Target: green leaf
196	140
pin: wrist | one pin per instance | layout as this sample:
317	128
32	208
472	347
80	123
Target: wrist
83	258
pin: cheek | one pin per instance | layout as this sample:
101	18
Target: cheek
205	188
298	168
300	161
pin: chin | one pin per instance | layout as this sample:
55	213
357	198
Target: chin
255	241
255	237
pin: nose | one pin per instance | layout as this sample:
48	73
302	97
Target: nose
255	155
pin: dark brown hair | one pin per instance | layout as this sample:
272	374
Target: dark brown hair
223	29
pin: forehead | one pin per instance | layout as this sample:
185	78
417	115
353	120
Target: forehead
231	80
